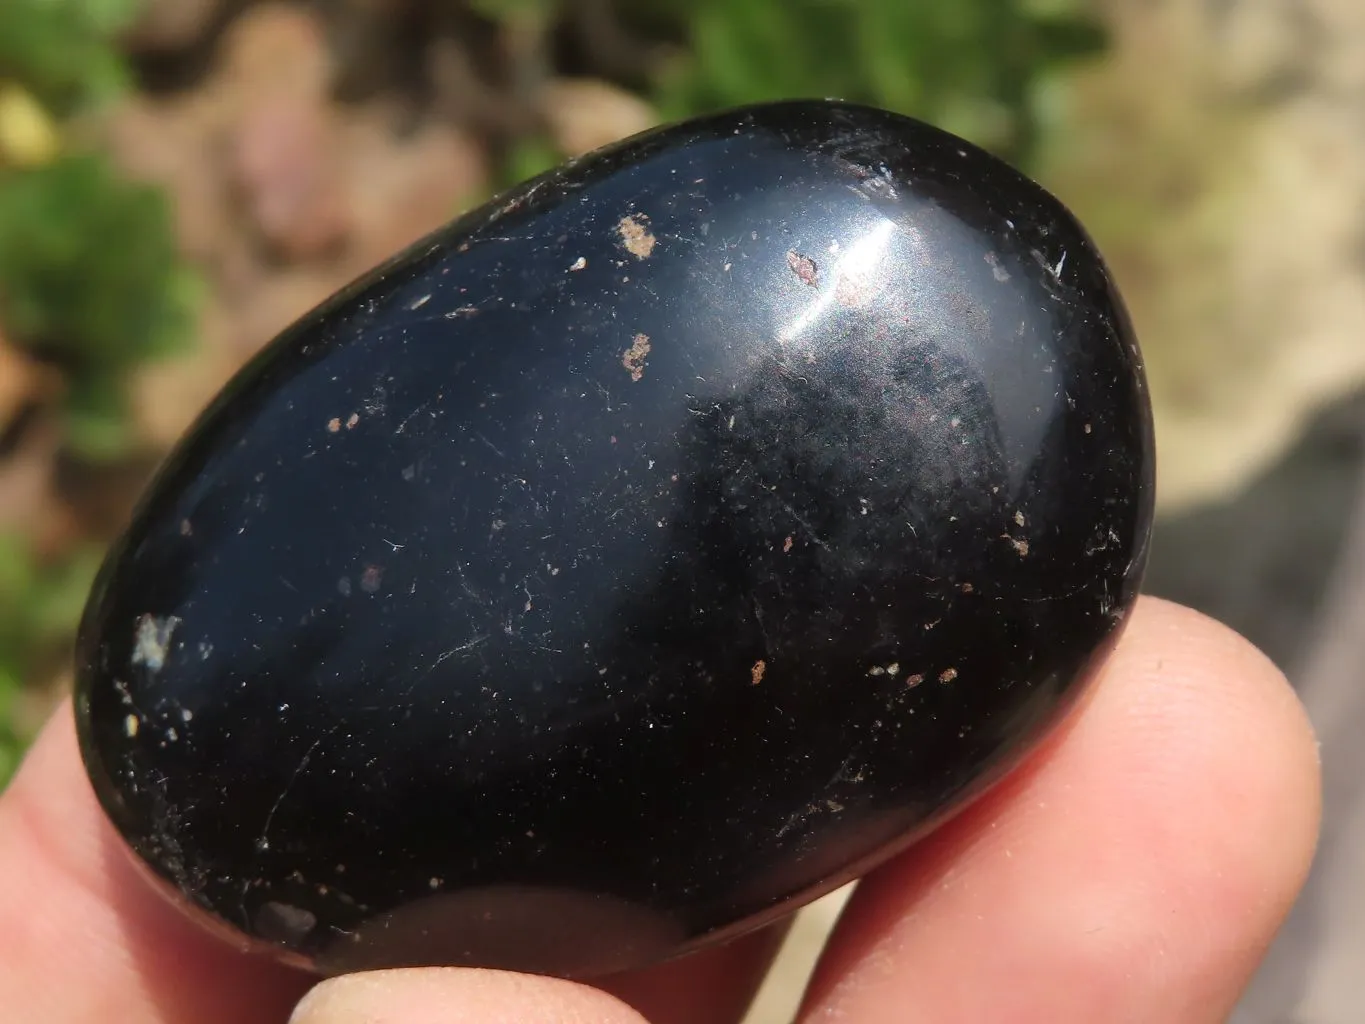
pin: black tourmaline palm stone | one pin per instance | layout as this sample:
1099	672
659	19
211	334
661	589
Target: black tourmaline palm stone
631	561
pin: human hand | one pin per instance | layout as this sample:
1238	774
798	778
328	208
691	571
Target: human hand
1134	869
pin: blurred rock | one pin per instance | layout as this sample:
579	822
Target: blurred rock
30	428
274	80
171	24
176	145
20	380
1260	559
372	44
284	163
584	114
168	396
400	188
279	300
28	503
276	49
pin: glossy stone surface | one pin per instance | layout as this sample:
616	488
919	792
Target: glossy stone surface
632	560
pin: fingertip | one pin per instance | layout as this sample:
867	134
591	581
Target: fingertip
448	995
1213	709
72	905
1136	869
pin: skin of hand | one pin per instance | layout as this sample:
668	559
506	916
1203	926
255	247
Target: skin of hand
1134	869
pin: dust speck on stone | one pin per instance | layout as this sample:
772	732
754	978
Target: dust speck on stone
1018	543
152	641
285	923
352	420
636	237
333	425
186	528
947	675
914	680
633	359
579	263
803	267
344	586
1019	519
371	578
130	726
787	544
852	290
999	272
756	673
420	302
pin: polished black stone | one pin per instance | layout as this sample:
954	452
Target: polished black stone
632	560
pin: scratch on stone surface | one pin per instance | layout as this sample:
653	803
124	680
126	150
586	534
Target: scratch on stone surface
409	418
444	656
762	626
263	842
810	530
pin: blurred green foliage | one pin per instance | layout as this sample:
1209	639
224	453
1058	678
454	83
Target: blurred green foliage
970	66
90	281
39	606
61	49
979	68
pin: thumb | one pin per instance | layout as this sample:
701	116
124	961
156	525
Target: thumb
447	995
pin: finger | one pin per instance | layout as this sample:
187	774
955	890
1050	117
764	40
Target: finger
84	938
452	995
715	985
1135	870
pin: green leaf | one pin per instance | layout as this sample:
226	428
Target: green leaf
1065	39
96	433
970	65
90	279
521	11
40	608
528	158
63	50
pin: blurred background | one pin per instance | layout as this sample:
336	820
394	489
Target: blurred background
179	179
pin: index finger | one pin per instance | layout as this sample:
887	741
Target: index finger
84	938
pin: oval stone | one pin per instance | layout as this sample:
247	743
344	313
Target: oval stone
632	560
